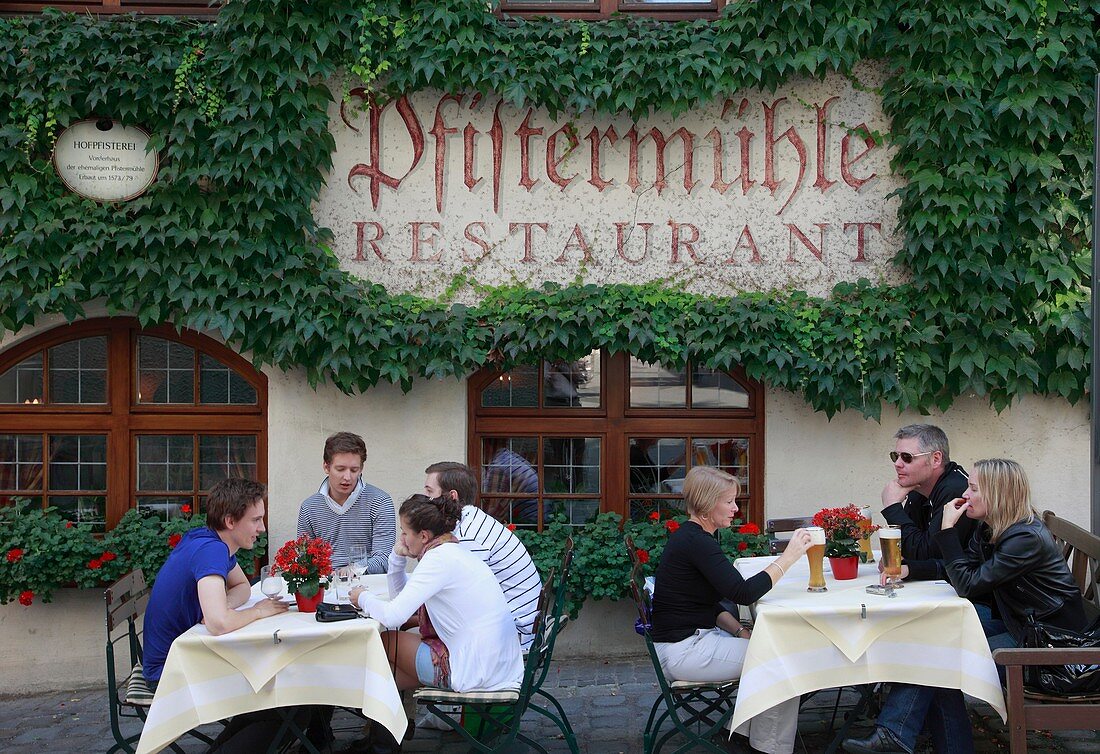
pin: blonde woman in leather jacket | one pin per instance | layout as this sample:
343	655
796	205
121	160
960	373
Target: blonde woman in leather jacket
1012	557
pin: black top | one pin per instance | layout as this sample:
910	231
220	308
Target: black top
920	519
692	576
1024	571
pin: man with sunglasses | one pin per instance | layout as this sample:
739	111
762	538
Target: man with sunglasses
925	480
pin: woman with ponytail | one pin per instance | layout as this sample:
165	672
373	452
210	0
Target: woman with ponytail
467	636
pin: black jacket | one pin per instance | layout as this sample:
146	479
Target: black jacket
920	518
1024	571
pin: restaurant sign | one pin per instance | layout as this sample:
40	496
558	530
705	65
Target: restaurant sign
754	192
104	160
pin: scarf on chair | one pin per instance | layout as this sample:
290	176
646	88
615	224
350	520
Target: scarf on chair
441	659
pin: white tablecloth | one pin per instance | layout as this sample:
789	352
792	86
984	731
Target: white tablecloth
208	678
804	641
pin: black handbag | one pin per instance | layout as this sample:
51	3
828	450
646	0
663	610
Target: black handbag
328	612
1062	679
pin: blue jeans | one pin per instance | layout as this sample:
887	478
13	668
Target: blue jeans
942	712
996	633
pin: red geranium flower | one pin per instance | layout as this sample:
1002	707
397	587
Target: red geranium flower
95	564
26	598
173	540
185	509
655	516
107	557
15	555
510	527
742	545
672	526
68	524
642	555
749	528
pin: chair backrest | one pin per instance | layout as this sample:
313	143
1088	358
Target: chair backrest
776	526
547	625
124	604
631	550
564	572
1081	549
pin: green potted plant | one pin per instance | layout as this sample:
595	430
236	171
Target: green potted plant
305	563
843	529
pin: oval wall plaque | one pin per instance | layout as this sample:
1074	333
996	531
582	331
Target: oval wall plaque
104	160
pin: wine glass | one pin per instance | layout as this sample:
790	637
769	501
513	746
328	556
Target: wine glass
271	582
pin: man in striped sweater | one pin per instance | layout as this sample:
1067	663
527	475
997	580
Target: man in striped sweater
357	518
494	543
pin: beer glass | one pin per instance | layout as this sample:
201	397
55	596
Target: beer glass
865	535
816	557
890	539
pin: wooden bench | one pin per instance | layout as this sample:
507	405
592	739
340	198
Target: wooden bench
1030	709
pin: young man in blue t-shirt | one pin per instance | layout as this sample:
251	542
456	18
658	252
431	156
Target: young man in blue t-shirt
201	581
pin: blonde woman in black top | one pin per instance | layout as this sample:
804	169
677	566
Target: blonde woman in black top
695	639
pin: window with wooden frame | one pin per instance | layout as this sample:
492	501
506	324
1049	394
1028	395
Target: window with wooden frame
665	10
610	433
102	416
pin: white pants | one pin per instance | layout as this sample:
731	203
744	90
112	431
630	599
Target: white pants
711	654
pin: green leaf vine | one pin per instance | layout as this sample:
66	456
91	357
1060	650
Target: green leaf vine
990	102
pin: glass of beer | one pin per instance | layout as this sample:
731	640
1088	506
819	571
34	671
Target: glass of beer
816	557
865	535
890	539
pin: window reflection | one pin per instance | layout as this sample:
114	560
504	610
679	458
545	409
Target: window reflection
166	371
657	464
515	389
20	462
656	386
23	382
713	388
219	384
78	371
509	466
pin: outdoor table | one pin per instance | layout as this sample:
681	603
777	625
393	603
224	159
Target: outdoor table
280	661
805	641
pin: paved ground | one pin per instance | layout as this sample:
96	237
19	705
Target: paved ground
607	704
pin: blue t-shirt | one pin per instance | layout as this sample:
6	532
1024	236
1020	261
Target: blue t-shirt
174	604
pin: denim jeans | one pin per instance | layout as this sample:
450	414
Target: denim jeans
942	712
996	633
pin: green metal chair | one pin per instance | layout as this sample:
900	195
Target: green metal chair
501	712
696	711
128	698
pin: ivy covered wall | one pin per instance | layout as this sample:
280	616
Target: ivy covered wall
992	125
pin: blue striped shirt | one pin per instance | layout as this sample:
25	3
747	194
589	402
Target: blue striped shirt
368	520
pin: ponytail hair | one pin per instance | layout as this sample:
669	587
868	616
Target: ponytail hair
439	515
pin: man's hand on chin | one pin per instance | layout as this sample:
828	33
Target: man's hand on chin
894	492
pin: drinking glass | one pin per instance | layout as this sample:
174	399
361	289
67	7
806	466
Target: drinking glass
865	535
358	554
271	582
816	557
890	540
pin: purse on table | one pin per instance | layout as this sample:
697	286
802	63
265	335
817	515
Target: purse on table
1062	679
327	612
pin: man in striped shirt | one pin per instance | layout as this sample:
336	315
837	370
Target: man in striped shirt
357	518
488	538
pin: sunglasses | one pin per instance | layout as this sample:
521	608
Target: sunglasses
907	457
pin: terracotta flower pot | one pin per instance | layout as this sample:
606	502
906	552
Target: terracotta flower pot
844	568
309	604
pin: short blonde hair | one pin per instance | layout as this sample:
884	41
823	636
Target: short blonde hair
1004	487
703	485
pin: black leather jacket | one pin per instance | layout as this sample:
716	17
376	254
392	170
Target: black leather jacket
1024	571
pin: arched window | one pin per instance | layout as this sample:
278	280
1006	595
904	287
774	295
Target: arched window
102	416
610	433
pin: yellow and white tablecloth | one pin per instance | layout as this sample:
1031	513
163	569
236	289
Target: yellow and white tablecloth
804	641
281	661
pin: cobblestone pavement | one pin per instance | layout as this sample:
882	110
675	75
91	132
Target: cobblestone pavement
607	704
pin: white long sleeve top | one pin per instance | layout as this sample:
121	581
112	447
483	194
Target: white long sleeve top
467	609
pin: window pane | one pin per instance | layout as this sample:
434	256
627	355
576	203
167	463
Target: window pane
221	385
515	389
23	382
163	508
166	371
572	384
571	465
166	462
20	462
509	467
730	454
657	464
78	462
577	512
666	508
89	510
222	456
78	371
655	386
713	388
